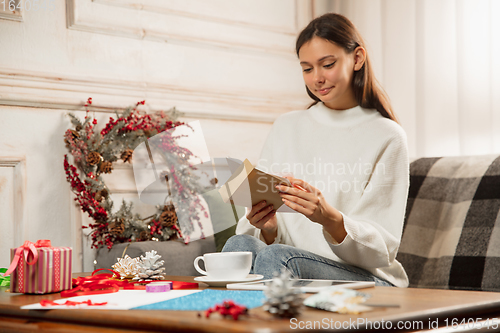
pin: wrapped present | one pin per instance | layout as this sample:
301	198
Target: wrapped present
39	268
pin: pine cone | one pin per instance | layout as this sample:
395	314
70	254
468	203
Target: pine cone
117	228
106	167
75	134
284	307
93	158
104	193
150	267
282	300
144	235
98	196
79	128
168	217
127	155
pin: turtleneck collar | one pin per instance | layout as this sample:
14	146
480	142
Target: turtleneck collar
341	118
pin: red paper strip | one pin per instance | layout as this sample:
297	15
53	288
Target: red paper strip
46	302
184	285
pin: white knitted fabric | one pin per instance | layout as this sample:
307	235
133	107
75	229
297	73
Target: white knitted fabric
359	161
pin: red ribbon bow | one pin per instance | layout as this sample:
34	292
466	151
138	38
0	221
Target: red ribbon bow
106	283
27	248
96	284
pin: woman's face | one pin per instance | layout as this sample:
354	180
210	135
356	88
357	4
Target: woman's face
328	71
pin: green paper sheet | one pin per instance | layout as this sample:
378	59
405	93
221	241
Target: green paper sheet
4	280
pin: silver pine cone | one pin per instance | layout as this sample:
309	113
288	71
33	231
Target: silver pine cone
282	300
150	267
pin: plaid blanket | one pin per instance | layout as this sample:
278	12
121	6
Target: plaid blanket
451	237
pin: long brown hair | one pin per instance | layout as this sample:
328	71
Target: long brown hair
339	30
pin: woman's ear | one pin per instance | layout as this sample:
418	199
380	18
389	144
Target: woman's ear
359	58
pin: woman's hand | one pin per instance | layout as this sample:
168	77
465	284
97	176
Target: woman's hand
263	217
309	201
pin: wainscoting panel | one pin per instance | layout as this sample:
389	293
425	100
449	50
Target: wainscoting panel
261	26
12	206
38	89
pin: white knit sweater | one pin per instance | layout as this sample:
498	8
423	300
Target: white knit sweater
359	161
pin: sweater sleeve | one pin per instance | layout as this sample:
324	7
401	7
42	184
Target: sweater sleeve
374	224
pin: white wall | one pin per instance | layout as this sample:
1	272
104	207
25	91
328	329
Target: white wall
438	61
227	63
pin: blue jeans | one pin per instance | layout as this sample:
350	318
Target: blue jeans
268	259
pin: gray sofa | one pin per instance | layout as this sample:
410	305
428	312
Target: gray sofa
451	237
178	257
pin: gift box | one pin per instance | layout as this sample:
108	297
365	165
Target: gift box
39	268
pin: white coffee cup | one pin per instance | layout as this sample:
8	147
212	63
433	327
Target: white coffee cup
225	265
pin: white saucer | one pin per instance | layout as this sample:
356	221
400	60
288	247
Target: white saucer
222	283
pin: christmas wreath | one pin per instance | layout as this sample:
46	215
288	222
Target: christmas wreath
94	153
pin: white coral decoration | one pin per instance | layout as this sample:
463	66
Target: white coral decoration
150	267
126	267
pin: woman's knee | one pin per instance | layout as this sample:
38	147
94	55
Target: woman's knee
238	243
271	260
274	251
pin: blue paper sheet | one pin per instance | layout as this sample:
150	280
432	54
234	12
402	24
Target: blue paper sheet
208	298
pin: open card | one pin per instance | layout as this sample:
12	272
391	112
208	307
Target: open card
248	186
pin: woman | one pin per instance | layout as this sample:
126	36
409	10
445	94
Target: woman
350	162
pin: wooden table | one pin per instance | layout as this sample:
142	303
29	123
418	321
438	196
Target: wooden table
419	309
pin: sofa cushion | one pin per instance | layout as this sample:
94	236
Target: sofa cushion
451	236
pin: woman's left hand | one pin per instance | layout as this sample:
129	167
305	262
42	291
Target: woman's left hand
309	201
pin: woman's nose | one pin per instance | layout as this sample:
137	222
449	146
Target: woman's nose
318	77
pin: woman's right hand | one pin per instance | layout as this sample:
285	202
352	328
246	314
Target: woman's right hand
263	217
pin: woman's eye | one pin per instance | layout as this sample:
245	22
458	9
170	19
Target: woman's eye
307	70
329	65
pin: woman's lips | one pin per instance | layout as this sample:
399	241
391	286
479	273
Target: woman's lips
324	91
